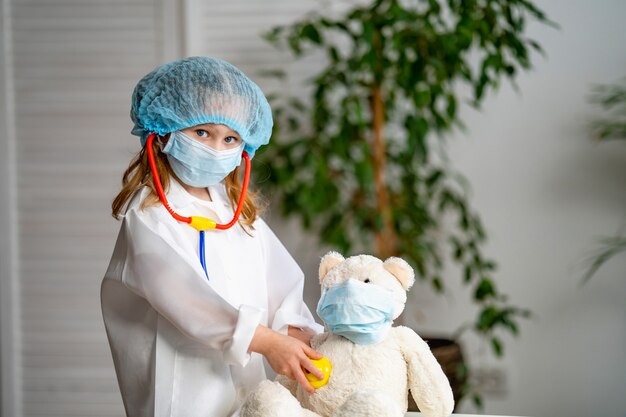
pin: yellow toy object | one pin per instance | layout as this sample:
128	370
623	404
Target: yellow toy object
323	365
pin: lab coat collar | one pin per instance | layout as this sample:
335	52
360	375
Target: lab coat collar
180	199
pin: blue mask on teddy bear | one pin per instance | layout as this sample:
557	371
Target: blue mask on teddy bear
358	311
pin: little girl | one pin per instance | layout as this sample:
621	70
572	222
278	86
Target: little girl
191	307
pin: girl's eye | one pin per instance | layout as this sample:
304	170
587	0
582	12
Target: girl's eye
230	139
367	280
202	133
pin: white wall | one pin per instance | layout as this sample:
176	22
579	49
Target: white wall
546	193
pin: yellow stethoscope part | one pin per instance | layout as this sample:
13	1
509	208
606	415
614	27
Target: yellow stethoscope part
202	223
323	365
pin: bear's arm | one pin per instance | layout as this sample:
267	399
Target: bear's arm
428	384
290	384
318	340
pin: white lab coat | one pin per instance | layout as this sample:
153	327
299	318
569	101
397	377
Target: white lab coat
180	341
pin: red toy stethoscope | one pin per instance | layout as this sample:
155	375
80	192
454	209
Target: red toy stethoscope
199	223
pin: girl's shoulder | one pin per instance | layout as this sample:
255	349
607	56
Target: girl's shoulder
137	199
136	206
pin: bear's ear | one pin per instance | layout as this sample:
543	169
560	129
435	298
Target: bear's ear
401	270
328	261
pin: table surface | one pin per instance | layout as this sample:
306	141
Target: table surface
414	414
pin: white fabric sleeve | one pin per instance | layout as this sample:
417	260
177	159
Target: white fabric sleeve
158	271
285	282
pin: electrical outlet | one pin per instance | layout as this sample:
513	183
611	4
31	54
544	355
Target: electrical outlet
490	381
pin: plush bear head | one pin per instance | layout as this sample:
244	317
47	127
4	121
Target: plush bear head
393	274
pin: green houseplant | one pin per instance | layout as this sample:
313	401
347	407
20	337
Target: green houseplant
362	163
612	100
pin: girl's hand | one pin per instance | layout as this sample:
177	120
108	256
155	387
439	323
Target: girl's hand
302	335
286	355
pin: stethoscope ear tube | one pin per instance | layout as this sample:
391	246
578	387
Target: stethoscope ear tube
198	222
157	182
242	195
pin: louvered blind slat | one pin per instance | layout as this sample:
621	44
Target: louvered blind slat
75	64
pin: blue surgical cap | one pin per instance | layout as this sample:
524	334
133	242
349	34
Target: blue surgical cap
198	90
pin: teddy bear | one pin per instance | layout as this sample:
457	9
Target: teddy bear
374	364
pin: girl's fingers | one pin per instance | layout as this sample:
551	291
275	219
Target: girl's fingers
304	383
312	353
308	365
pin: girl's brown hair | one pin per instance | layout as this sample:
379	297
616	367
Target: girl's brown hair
138	175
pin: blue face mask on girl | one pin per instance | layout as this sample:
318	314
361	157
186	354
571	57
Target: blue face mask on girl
197	164
358	311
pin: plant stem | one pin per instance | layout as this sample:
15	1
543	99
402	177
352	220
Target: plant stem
385	237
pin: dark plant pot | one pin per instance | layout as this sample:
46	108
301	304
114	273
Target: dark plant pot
449	355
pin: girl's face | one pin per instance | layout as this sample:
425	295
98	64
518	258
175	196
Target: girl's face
218	137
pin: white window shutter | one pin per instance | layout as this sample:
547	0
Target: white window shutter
233	31
75	64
